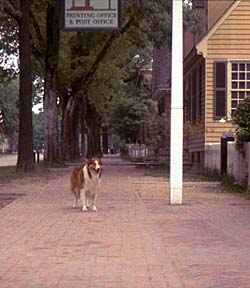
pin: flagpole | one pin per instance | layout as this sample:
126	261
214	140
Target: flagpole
176	139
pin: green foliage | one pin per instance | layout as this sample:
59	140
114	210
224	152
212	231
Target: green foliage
241	118
9	106
38	131
8	48
192	21
230	184
130	110
158	127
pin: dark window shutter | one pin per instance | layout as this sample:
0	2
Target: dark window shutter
194	96
199	93
220	90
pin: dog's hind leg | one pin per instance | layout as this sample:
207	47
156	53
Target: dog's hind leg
75	198
75	202
84	200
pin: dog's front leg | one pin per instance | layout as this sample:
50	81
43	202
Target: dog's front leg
94	201
75	202
84	200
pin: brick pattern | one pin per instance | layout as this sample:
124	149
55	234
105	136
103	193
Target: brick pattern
135	239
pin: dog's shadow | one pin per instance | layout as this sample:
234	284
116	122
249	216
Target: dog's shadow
78	209
70	209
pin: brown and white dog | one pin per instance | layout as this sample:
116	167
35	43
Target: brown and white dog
85	182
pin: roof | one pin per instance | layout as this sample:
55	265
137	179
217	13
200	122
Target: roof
201	46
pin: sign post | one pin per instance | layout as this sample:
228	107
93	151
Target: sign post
92	15
176	140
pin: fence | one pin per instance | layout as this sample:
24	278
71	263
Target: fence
136	152
238	164
212	156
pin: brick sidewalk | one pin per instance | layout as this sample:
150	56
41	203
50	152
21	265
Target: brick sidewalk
135	239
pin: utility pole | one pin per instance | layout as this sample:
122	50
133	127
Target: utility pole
176	139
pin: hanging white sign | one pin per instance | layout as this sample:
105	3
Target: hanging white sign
92	14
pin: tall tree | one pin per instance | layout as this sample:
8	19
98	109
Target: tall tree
46	51
25	161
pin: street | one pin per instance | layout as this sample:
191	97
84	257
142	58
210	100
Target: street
135	239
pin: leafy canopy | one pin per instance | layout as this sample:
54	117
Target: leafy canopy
9	105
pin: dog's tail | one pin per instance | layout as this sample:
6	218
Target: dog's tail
74	181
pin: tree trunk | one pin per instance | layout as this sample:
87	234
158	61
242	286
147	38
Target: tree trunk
25	162
75	134
67	134
105	140
93	129
83	133
50	97
94	145
51	152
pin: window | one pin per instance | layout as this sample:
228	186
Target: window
239	75
220	90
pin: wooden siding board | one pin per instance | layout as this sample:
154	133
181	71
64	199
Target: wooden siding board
229	37
233	31
241	12
244	54
233	45
236	17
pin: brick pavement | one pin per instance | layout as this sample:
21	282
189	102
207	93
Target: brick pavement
135	239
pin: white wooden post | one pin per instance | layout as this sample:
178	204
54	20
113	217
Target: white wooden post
176	141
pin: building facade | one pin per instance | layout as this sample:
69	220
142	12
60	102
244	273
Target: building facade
216	73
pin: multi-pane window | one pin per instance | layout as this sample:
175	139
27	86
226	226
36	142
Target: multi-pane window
240	83
231	85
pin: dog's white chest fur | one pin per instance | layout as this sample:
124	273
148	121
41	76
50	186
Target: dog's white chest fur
92	180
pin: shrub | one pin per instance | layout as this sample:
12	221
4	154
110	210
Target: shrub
241	118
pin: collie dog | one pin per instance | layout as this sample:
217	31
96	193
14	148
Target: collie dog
85	182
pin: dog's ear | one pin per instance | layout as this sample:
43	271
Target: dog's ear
88	160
